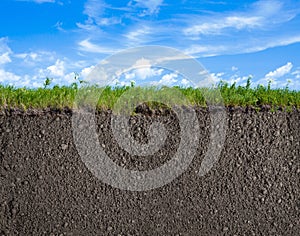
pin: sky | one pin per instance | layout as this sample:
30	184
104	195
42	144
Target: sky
233	40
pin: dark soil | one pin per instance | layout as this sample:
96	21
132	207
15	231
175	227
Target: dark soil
254	188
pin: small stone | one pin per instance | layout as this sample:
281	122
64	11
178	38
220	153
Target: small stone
225	229
277	133
279	201
14	211
109	228
64	146
103	145
265	191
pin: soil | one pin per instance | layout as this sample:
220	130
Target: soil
254	188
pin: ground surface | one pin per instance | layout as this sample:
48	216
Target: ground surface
254	188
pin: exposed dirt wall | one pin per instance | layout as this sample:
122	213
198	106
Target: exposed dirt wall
254	188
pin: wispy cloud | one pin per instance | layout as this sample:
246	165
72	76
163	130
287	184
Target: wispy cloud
296	74
37	1
272	42
95	10
217	27
138	36
150	6
5	51
260	15
250	45
4	58
203	50
87	46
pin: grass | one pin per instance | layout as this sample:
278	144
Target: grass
63	96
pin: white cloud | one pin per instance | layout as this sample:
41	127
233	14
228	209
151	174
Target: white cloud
215	77
271	43
277	76
143	73
240	80
4	58
44	1
58	69
87	46
261	14
141	69
296	74
95	10
3	45
234	68
216	27
59	26
152	6
138	36
5	51
86	71
6	76
169	79
10	78
279	72
205	50
38	1
25	56
185	82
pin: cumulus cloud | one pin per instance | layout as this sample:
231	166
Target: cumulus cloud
6	77
143	73
169	79
279	72
142	69
58	69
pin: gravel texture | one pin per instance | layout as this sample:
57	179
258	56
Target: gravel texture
254	188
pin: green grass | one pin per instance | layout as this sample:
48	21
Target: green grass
63	96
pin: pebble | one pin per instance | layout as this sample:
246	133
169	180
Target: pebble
64	146
279	201
277	133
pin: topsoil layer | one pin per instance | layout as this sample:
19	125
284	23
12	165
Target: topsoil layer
254	188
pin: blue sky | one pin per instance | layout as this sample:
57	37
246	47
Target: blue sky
231	39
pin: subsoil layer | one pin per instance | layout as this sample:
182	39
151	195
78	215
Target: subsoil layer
253	189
